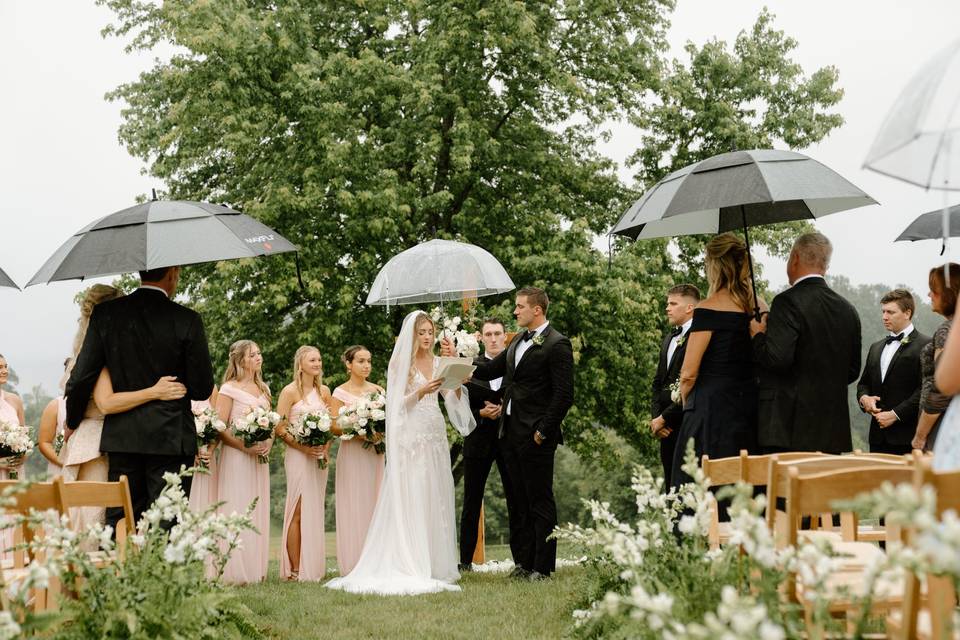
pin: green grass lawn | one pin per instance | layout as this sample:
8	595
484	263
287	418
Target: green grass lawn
490	606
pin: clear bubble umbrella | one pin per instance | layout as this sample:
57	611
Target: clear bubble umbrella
439	271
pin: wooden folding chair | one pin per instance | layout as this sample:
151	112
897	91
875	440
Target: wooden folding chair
814	494
928	614
101	494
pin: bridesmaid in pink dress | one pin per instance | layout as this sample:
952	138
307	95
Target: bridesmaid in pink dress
52	421
11	410
241	477
203	489
303	552
359	471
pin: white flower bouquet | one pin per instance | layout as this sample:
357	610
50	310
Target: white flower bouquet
313	430
209	427
465	342
258	425
367	419
15	443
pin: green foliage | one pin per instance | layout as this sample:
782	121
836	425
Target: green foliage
359	129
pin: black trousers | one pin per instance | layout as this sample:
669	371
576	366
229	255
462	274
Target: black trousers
667	447
476	470
144	472
895	449
531	471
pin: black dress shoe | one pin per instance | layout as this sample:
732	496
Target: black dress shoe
536	576
465	567
519	573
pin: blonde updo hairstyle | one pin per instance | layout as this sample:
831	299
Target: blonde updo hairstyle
239	351
91	298
298	369
728	269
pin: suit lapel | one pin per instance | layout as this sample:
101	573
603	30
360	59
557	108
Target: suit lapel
534	345
896	354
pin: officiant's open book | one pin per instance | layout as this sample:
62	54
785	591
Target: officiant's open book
453	371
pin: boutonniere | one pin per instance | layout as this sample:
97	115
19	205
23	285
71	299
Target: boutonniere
681	339
906	340
537	340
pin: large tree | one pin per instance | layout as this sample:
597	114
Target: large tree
361	128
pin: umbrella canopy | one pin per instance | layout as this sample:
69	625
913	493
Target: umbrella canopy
919	141
160	233
739	189
929	226
439	270
7	281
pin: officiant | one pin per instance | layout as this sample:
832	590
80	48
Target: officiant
481	449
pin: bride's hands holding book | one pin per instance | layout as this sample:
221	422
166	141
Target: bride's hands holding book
431	387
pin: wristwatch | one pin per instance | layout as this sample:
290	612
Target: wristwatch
539	435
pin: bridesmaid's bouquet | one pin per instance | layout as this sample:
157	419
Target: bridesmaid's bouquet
313	430
258	425
367	419
15	443
675	392
209	427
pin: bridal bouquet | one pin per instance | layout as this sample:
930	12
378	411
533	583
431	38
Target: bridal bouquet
313	430
465	342
256	426
209	426
367	419
15	443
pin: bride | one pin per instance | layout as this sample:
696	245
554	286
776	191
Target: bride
411	545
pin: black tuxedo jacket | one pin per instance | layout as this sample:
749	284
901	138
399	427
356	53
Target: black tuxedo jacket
482	442
899	391
139	338
540	387
805	361
667	374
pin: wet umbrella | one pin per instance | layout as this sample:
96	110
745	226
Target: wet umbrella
160	233
737	190
438	271
929	226
7	281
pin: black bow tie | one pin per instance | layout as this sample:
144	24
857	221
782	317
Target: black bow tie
676	331
896	338
528	335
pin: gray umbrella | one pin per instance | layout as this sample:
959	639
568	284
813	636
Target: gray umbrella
737	190
7	281
929	226
160	233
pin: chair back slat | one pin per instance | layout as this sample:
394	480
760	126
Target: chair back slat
101	494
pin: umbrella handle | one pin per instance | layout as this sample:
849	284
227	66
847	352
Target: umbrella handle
753	279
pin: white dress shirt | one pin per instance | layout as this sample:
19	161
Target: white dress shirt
889	350
672	348
522	349
807	277
147	286
495	383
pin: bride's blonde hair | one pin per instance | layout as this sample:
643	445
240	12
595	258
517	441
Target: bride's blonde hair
298	369
91	298
239	351
421	320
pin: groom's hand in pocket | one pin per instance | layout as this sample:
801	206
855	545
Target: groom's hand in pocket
538	438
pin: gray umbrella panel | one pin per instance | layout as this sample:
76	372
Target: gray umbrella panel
771	186
929	226
7	281
439	270
160	234
919	141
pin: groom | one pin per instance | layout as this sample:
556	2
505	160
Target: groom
537	372
139	338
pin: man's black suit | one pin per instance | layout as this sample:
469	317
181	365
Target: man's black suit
806	359
480	450
139	338
662	404
538	392
899	391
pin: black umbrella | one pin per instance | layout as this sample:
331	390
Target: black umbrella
7	281
929	226
737	190
160	233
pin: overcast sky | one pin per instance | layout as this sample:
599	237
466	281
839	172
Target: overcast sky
61	165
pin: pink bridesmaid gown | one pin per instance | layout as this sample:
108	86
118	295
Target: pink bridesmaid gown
359	476
307	484
56	469
241	479
8	413
203	489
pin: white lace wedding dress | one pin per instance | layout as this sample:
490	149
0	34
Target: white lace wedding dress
411	545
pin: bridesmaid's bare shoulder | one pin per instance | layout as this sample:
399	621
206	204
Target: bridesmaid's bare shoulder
13	399
289	392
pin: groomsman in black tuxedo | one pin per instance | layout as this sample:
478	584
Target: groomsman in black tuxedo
537	372
889	388
139	338
667	414
807	352
482	448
